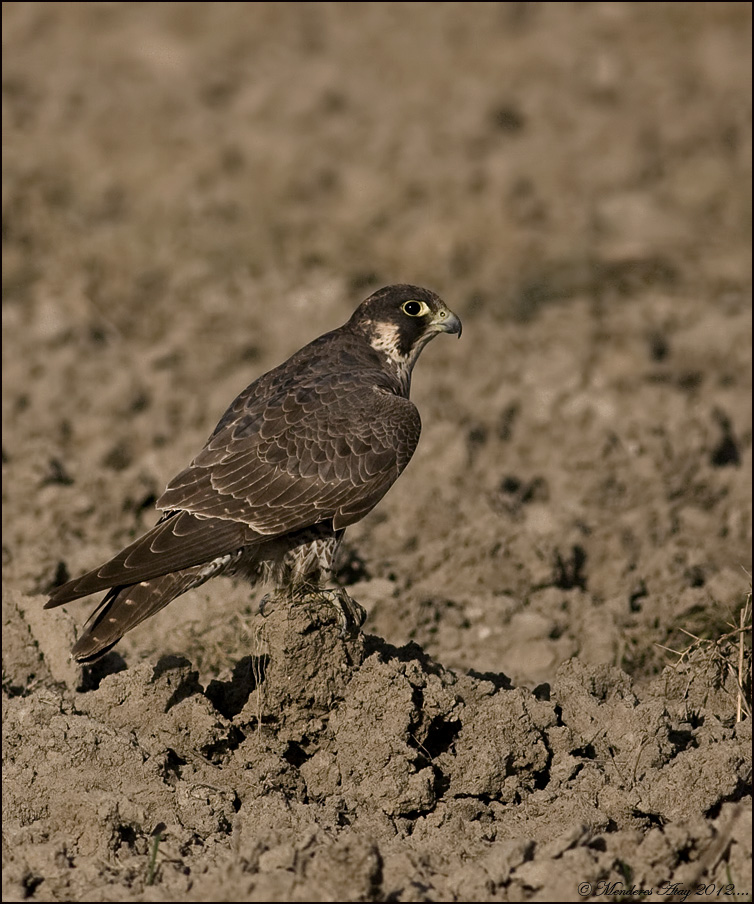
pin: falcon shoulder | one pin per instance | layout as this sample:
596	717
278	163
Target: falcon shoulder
309	448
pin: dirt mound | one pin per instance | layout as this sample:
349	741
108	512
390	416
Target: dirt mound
355	770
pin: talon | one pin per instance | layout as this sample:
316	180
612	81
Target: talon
351	614
265	603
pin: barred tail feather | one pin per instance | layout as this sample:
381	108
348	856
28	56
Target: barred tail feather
124	607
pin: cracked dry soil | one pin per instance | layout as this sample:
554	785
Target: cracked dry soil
191	191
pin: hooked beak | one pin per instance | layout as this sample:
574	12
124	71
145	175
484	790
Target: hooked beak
446	321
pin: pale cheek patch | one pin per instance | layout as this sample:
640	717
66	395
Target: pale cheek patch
386	340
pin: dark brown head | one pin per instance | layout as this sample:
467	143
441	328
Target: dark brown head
400	320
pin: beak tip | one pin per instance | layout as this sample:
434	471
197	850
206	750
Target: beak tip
453	324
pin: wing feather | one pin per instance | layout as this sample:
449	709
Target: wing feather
178	541
324	448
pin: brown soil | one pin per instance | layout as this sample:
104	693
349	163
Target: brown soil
192	191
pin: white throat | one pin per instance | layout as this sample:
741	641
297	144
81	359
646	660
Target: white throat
385	340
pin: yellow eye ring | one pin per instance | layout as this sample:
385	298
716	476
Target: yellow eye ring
415	308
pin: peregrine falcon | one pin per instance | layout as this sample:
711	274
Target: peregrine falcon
307	449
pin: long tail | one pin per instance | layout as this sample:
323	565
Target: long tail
176	543
124	607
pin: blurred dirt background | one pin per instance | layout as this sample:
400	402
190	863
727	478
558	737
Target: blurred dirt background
192	191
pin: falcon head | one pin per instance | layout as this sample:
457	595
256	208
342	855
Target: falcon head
399	321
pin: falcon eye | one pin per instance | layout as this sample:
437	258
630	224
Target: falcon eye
415	308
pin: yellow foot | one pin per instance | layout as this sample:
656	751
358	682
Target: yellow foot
350	614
